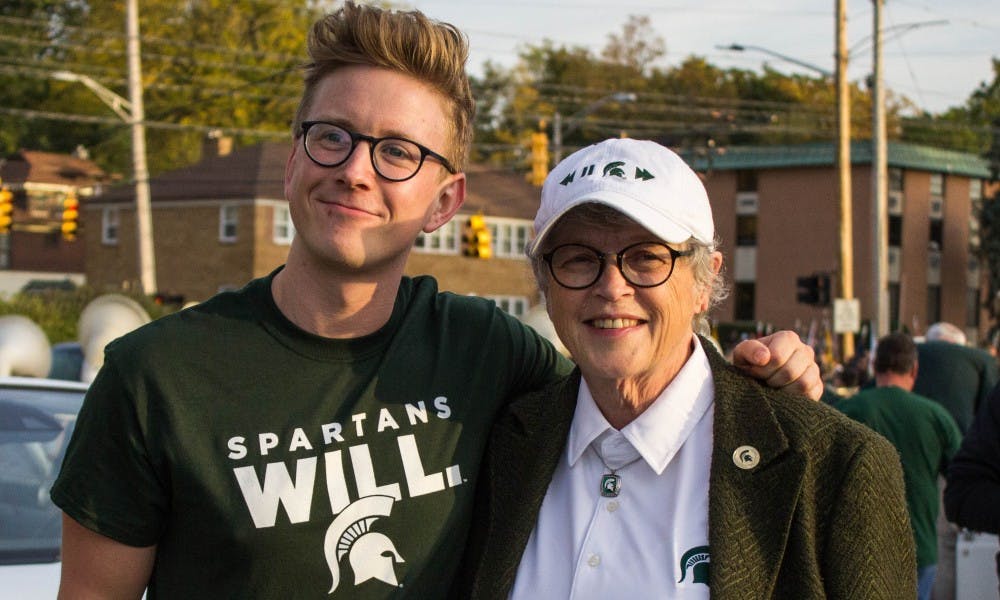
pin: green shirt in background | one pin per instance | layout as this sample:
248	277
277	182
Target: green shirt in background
926	437
266	462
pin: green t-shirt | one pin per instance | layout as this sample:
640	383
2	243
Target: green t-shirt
267	462
926	437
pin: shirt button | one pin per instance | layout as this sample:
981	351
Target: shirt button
594	560
613	506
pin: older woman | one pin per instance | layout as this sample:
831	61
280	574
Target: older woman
656	469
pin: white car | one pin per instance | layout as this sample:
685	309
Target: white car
36	419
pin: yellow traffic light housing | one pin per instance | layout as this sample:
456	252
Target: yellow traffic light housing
70	217
476	238
539	157
6	209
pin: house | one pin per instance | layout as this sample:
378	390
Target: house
35	249
223	221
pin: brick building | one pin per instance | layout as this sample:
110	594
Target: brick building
223	221
777	211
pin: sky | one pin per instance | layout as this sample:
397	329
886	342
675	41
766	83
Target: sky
935	52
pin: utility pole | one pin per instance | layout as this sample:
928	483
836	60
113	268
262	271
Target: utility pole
143	210
844	171
880	190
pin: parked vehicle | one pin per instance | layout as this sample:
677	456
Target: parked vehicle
37	417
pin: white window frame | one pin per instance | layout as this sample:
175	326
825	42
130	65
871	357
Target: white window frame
229	222
110	224
509	237
513	305
283	229
444	240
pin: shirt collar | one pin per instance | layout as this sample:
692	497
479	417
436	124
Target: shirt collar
660	431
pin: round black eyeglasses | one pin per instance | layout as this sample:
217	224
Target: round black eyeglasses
646	264
394	158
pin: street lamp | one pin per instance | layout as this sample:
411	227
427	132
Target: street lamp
846	250
576	120
131	112
786	58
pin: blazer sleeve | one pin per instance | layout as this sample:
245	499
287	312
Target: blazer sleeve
872	553
972	494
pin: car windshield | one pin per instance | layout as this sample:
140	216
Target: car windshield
35	425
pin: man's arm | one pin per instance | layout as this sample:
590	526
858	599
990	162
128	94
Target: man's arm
972	495
781	360
98	567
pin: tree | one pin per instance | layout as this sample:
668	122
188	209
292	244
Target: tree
206	63
989	231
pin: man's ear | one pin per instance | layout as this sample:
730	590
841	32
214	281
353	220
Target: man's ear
450	199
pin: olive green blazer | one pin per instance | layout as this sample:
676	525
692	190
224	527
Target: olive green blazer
822	514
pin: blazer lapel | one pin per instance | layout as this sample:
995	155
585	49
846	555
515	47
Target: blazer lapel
525	448
754	482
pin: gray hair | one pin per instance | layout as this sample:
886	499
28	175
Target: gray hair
946	332
593	214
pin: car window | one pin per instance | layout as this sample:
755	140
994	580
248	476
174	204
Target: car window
35	425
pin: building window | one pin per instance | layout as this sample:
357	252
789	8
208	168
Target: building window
894	316
746	230
513	305
746	181
109	226
972	308
895	230
283	231
510	236
442	241
936	234
975	212
895	180
744	297
228	220
933	303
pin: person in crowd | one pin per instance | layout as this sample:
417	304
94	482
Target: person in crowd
954	374
319	432
923	432
656	469
972	494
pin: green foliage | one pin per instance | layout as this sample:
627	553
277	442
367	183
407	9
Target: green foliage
989	235
57	311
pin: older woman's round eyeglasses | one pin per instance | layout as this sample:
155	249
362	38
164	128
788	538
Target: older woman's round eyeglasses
394	158
646	264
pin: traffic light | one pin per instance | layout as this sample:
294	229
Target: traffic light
476	239
6	209
70	216
539	156
813	289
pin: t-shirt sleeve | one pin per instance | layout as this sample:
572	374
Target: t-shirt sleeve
107	482
534	361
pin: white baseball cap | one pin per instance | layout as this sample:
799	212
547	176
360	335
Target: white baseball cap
639	178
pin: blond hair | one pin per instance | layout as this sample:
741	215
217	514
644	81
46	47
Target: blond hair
403	41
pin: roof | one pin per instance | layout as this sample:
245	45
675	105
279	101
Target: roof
500	192
249	172
33	166
258	172
823	154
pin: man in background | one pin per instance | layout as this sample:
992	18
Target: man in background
923	432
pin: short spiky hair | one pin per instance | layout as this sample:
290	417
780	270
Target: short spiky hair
404	41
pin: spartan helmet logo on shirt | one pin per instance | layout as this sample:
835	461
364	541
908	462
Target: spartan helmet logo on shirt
371	555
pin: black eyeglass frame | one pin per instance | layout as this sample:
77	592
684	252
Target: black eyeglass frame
372	142
619	260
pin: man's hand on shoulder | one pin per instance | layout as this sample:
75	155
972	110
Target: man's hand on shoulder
781	360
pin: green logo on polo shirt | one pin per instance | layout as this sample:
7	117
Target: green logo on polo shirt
697	560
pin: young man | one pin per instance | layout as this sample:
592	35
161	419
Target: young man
319	433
